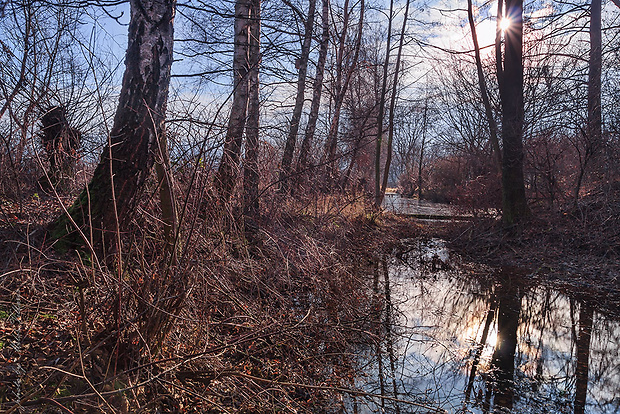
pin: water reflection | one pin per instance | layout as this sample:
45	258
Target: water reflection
470	345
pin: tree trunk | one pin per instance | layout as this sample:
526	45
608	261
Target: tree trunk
514	203
594	75
291	141
388	159
386	64
483	90
593	138
317	88
250	172
226	176
105	208
422	145
341	88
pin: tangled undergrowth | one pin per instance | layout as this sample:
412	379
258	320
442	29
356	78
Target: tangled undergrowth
227	328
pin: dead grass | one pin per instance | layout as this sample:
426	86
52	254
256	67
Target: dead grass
230	328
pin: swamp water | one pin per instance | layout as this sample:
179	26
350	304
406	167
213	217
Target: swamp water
458	343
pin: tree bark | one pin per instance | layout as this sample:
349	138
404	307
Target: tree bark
514	203
378	143
106	207
317	88
250	171
291	140
228	170
388	159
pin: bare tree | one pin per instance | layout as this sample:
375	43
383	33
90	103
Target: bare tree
105	208
593	130
317	88
228	170
510	78
343	79
382	98
397	71
483	89
302	63
250	171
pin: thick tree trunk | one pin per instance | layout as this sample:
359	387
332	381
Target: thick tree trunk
291	140
514	203
379	141
106	207
228	171
493	136
317	88
250	171
388	158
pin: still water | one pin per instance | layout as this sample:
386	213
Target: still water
461	339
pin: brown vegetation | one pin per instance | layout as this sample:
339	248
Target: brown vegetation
224	330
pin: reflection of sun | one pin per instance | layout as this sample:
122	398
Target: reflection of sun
472	333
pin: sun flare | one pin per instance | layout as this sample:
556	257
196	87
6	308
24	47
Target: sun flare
504	24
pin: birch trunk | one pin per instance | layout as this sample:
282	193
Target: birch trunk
228	171
291	141
106	208
317	88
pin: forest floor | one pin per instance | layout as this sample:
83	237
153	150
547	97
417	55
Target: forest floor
255	332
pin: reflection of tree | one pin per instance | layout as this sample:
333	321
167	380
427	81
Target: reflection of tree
441	316
583	356
480	346
503	360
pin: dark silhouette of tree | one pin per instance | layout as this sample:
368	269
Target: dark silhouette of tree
250	170
593	132
483	89
503	360
586	314
395	82
510	76
61	143
380	115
